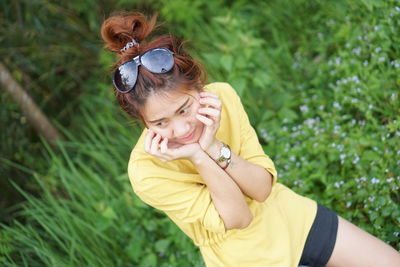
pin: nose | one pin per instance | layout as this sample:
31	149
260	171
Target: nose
181	128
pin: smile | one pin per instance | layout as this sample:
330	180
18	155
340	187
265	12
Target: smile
187	138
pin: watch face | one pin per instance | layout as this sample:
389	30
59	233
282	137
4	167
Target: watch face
225	152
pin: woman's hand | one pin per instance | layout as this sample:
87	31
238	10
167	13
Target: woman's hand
157	146
210	115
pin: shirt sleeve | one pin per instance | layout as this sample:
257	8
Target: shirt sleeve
250	147
181	199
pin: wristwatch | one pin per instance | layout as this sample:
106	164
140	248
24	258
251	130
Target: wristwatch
224	155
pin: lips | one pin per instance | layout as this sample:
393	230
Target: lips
187	138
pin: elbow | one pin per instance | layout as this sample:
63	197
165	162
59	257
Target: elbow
263	196
246	222
242	222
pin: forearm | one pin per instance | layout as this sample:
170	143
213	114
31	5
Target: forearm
225	193
253	180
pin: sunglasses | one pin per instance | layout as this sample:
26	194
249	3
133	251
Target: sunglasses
157	60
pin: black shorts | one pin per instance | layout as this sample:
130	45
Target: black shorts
321	239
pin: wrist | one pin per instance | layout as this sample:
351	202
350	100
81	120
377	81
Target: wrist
199	157
214	149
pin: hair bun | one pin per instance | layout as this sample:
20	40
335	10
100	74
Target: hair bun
120	29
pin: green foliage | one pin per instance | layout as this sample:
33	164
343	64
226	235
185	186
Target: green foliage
87	214
319	80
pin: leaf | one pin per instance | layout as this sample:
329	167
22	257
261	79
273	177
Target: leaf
240	85
149	261
162	245
288	114
109	213
226	62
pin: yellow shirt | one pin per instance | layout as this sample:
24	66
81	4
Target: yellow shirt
280	225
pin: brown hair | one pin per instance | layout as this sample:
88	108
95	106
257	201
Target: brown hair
120	29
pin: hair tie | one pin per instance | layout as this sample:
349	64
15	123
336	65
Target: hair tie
129	45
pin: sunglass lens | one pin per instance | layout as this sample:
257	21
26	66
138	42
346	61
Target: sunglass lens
159	60
125	76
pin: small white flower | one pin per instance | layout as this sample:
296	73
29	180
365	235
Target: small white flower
337	105
356	159
304	108
375	180
378	49
381	59
356	51
348	204
340	148
286	167
264	133
365	63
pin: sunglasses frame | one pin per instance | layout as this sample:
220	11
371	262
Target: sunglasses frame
138	62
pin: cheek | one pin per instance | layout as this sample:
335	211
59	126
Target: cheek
162	132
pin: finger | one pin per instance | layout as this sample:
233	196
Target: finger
155	144
147	141
164	145
213	102
210	112
205	120
210	94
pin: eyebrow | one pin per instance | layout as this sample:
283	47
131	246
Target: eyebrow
184	104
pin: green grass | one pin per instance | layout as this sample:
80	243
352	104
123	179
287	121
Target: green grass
320	84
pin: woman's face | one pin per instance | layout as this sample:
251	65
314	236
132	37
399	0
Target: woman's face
173	115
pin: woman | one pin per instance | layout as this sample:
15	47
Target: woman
199	161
